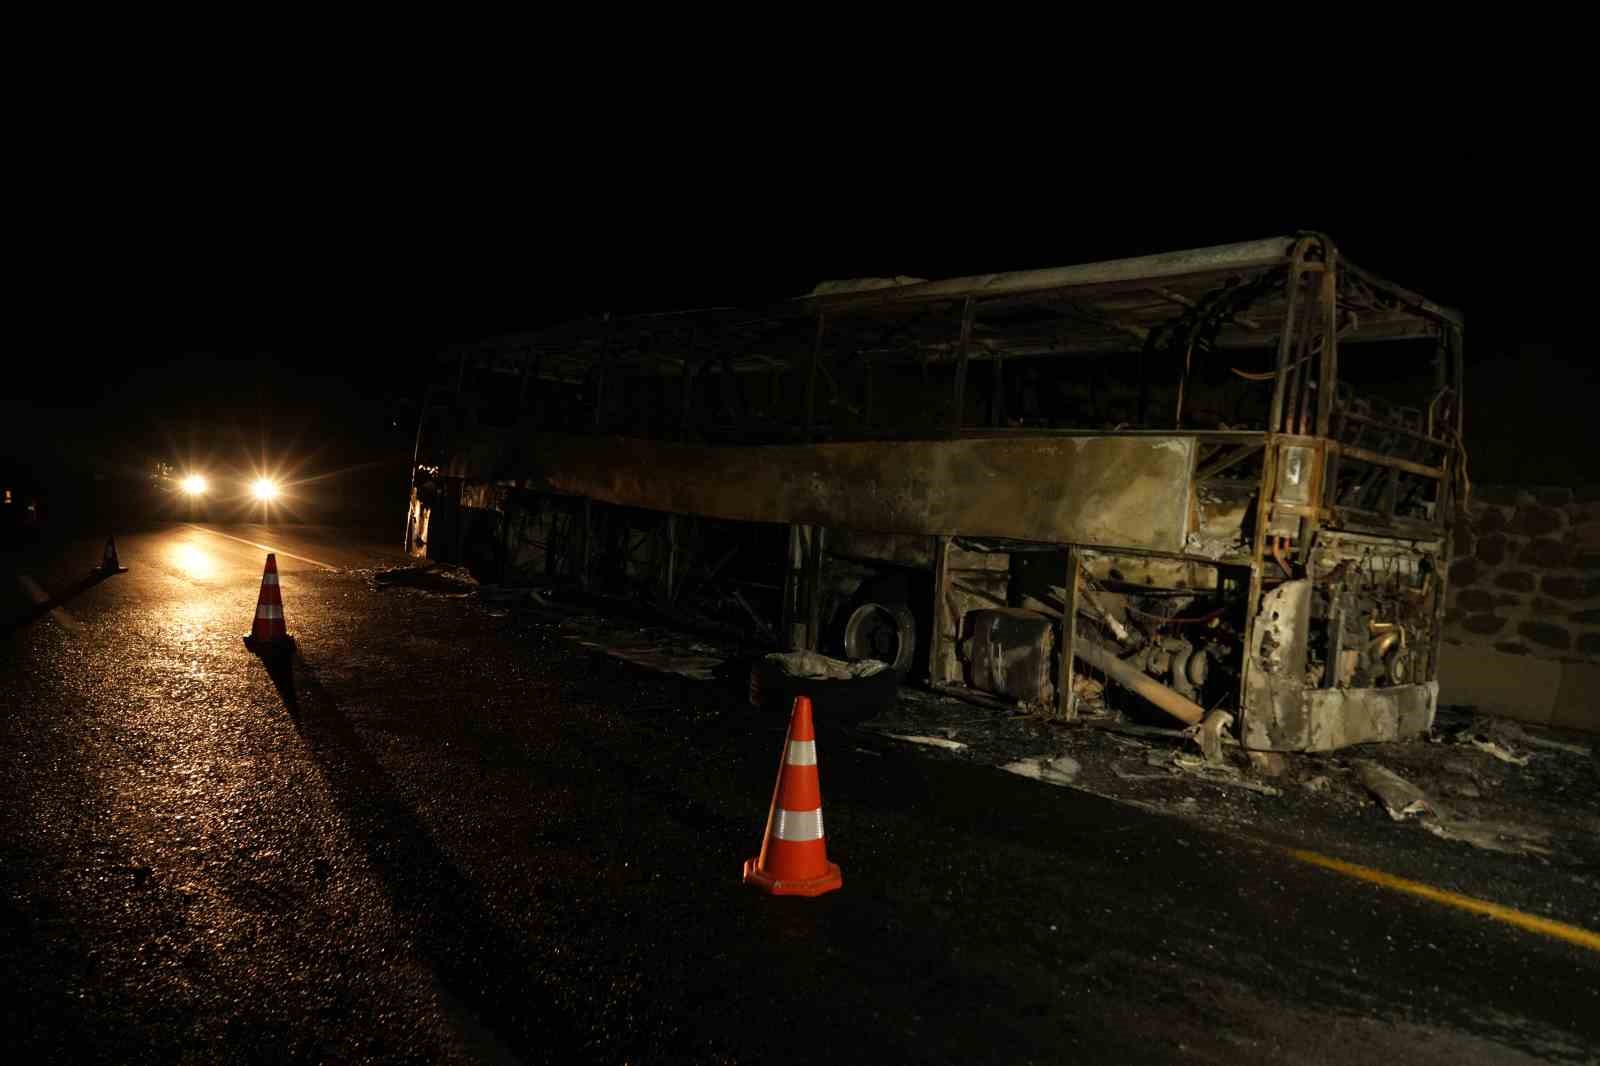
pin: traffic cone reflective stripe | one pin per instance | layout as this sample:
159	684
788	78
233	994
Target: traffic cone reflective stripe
268	631
799	787
794	853
798	826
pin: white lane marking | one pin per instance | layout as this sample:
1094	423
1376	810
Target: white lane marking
798	826
40	596
266	548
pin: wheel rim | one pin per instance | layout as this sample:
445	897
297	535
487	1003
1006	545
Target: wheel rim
883	631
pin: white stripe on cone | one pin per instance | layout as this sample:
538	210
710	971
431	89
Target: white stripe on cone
266	610
802	753
798	826
269	579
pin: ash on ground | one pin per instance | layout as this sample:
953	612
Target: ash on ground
1488	807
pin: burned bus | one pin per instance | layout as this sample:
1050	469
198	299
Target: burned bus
1222	479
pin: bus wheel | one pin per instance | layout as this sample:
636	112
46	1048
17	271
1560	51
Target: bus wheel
883	631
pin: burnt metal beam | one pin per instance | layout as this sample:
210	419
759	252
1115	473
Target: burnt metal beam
1223	462
587	575
670	567
1329	359
1099	318
1066	696
687	384
941	612
793	569
1244	256
997	390
814	590
811	373
1350	451
1286	340
1194	305
602	365
801	623
1415	301
960	389
1395	427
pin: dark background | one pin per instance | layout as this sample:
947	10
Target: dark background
207	296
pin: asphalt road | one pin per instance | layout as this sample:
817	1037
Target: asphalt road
447	834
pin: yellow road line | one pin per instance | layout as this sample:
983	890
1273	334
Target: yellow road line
1572	934
265	547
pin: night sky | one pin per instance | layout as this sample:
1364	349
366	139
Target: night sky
295	296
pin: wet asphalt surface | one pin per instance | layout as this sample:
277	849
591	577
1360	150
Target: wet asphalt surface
444	834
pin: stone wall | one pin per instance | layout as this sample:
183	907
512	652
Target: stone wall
1525	575
1522	621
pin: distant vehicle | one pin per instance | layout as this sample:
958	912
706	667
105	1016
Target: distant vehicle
190	492
183	492
21	503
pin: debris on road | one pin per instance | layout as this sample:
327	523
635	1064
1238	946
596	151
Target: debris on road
1217	773
811	664
932	742
1400	797
1403	800
1132	730
1315	797
651	647
1545	808
1051	769
1500	737
660	658
513	595
1508	837
1208	734
1498	751
1557	745
1176	765
1268	763
838	689
448	580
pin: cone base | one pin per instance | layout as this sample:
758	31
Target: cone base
281	646
107	571
831	880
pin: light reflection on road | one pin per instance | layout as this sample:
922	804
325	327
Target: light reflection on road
192	560
194	625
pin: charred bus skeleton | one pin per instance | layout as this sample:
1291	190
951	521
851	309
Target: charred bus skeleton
1218	478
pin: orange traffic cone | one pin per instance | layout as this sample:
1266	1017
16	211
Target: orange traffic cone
269	634
109	563
794	853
